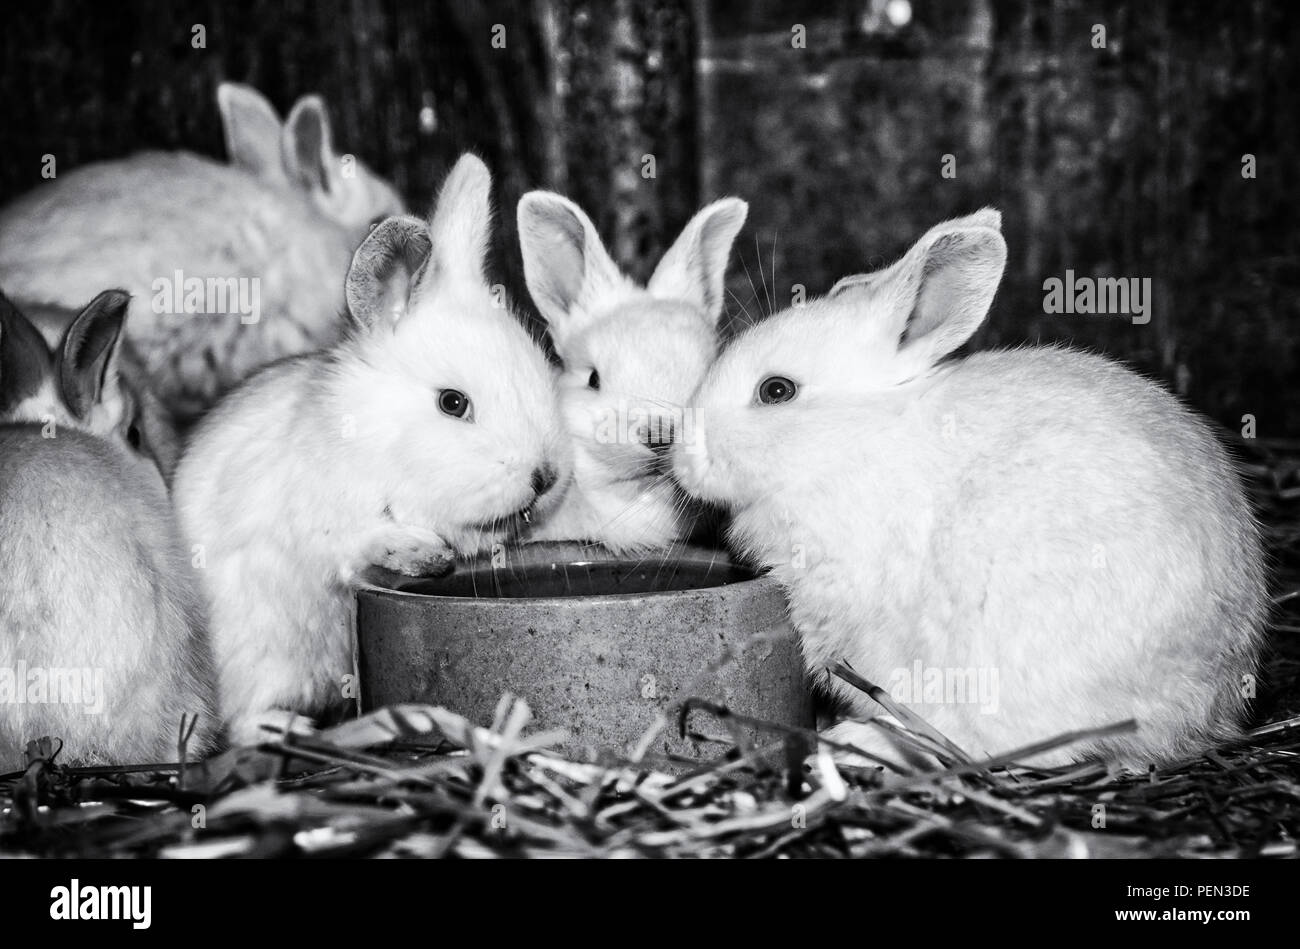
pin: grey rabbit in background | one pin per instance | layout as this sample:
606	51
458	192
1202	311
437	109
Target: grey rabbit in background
230	265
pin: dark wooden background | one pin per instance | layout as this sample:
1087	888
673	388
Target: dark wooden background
1123	161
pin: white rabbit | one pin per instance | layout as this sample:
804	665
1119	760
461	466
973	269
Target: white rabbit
1040	539
102	635
632	357
230	265
429	432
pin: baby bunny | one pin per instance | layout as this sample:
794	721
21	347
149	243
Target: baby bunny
1016	544
230	265
147	426
102	635
431	431
632	357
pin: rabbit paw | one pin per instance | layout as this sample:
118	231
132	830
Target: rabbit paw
865	738
410	551
269	725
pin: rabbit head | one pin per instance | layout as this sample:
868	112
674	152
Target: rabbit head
770	406
80	385
300	153
455	399
632	355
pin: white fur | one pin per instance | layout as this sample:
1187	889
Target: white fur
651	347
130	222
324	464
1042	512
93	577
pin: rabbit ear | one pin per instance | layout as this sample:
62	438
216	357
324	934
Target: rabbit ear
462	222
984	217
252	129
940	292
24	357
695	267
385	271
87	357
566	266
858	281
307	148
339	185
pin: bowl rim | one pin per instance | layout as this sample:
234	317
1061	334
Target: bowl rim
374	581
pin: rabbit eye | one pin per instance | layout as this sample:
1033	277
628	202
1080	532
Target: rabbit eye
593	381
453	402
776	389
133	437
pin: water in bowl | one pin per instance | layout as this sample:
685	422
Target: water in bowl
592	578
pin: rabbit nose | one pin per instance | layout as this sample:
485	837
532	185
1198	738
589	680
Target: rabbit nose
658	435
544	479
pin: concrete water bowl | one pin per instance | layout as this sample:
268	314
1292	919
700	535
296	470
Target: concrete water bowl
596	644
